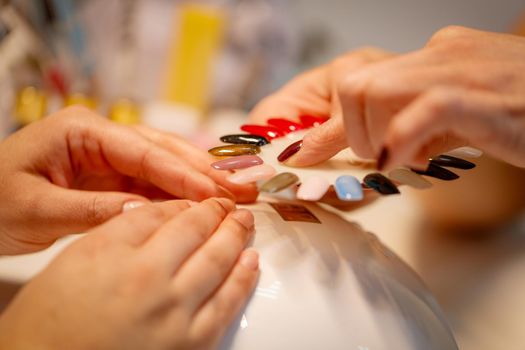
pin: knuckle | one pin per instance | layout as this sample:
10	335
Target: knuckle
448	35
217	260
325	137
95	211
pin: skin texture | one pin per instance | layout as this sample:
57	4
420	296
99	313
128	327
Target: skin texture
75	170
465	87
170	275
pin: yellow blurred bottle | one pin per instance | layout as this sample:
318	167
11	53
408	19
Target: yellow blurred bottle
30	106
125	111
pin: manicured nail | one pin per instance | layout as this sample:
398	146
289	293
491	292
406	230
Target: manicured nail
234	150
409	178
285	124
244	217
380	183
245	139
348	188
310	121
382	160
313	188
269	132
239	162
467	152
290	151
452	162
132	205
250	259
253	174
279	182
438	172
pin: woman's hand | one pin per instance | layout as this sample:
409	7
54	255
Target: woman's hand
171	275
75	170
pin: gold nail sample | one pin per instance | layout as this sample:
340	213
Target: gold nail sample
409	178
234	150
279	182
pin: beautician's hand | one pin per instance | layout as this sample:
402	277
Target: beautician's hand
162	276
464	87
75	170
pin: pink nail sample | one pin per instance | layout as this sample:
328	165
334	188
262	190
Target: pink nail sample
240	162
313	188
253	174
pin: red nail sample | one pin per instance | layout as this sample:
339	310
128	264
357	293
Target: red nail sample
309	121
285	124
290	151
270	132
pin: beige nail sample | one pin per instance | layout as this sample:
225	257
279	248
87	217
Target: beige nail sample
465	152
255	173
313	188
408	177
279	182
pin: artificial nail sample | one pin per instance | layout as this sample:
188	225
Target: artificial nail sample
285	124
290	151
245	139
313	188
269	132
310	121
409	178
239	162
380	183
467	152
348	188
438	172
279	182
234	150
452	162
253	174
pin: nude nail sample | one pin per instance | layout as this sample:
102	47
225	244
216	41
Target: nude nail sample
285	124
313	188
380	183
234	150
452	162
466	152
245	139
309	121
410	178
348	188
279	182
253	174
290	151
438	172
269	132
240	162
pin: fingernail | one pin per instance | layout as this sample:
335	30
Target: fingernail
244	217
279	182
132	205
250	259
310	121
437	172
348	188
269	132
245	139
234	150
240	162
290	151
382	160
380	183
192	203
313	188
467	152
253	174
285	124
409	178
452	162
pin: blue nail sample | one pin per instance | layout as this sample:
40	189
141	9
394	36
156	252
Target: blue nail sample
348	188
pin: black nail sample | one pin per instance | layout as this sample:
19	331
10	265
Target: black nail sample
380	183
438	172
245	139
452	162
382	159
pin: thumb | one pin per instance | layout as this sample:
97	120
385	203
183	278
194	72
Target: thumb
318	145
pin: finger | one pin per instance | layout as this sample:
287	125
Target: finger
213	319
209	266
481	119
175	241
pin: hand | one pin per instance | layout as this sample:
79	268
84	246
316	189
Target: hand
75	170
163	276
